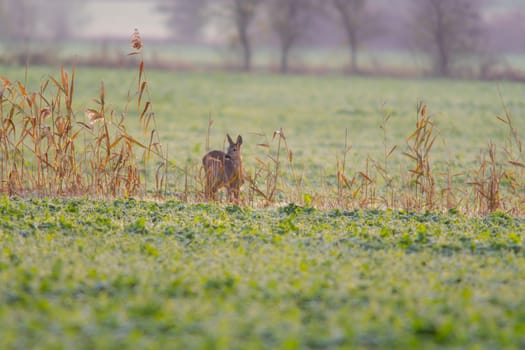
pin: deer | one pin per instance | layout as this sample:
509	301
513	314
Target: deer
224	170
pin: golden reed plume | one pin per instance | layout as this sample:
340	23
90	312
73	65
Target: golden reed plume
136	41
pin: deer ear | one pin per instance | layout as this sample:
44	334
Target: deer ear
239	140
229	139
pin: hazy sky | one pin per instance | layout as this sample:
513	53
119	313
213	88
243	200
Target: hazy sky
118	19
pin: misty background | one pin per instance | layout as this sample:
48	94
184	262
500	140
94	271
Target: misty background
458	38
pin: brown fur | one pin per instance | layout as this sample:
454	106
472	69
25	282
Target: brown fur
224	170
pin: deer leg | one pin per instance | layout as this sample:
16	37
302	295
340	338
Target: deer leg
209	188
233	195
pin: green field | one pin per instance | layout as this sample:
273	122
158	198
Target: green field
132	274
313	110
319	273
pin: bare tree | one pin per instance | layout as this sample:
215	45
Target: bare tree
236	16
446	30
185	18
27	20
60	18
3	17
19	19
243	15
358	24
289	20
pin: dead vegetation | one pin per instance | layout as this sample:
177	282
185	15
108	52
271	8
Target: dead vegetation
49	149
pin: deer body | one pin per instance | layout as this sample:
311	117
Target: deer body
224	170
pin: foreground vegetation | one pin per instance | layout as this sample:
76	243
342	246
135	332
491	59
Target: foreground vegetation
141	274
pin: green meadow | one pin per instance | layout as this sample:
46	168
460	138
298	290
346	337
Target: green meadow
141	274
313	111
326	264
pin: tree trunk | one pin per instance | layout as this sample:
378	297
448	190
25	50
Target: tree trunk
443	68
246	50
353	55
442	64
284	60
351	26
352	41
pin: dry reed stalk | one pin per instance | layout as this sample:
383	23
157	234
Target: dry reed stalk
39	142
448	195
513	150
186	185
389	197
296	179
269	172
188	182
263	172
419	144
148	123
136	41
277	165
341	177
486	183
367	189
44	138
494	179
208	132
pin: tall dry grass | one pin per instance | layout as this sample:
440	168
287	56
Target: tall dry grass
48	149
496	184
